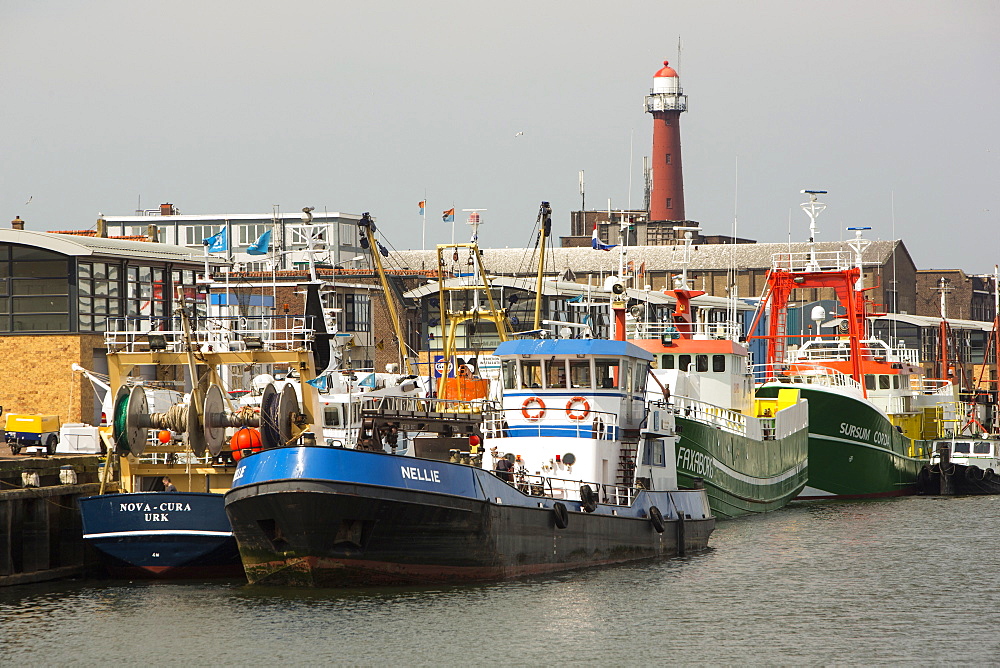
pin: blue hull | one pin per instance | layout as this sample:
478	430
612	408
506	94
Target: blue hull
161	534
333	517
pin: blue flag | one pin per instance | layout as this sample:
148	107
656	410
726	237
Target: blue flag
319	382
368	381
261	246
219	242
449	215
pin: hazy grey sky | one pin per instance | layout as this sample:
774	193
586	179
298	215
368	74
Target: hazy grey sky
371	106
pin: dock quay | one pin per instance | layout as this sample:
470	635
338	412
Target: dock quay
40	529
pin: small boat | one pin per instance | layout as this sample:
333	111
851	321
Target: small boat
962	465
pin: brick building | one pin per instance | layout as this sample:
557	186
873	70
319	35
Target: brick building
967	297
57	292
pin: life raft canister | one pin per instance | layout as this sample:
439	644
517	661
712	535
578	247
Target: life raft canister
528	402
577	413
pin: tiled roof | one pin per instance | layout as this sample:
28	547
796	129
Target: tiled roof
705	257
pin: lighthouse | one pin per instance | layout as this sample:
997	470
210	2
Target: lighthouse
666	101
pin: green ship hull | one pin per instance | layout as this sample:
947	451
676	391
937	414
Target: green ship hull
854	450
741	475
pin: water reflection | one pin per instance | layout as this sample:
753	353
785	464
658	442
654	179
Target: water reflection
820	583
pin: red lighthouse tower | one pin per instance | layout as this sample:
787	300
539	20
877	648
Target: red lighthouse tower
666	101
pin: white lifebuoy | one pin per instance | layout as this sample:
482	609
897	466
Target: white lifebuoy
528	402
576	413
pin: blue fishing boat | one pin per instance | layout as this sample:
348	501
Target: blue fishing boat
161	534
572	469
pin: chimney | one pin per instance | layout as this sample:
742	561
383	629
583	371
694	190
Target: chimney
152	233
17	224
167	209
102	228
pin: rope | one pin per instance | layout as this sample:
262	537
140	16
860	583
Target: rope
175	419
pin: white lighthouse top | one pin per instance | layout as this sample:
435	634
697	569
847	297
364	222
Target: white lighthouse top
666	80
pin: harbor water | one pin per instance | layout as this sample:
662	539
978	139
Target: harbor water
902	581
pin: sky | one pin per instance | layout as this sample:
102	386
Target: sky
239	107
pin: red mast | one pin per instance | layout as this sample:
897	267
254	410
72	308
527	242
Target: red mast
666	101
836	270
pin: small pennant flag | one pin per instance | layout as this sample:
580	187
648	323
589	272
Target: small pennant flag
449	215
318	382
219	242
368	381
422	204
261	246
596	243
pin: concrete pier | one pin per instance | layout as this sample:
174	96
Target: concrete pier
41	537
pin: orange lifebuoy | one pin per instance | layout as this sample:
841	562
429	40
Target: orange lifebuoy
529	401
572	412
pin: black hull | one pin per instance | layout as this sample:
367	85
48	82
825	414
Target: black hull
334	534
956	480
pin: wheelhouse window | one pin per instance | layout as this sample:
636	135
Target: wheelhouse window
667	362
701	362
606	373
981	448
718	363
639	379
331	416
555	374
579	373
509	375
531	373
961	448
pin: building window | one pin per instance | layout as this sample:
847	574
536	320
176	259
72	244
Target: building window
668	158
35	290
98	294
196	234
357	313
146	292
670	202
248	234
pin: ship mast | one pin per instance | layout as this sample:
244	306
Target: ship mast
367	227
451	318
544	222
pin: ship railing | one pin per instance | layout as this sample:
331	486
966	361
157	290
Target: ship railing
177	458
809	374
934	386
813	261
511	423
221	334
716	416
841	352
724	331
412	406
565	489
